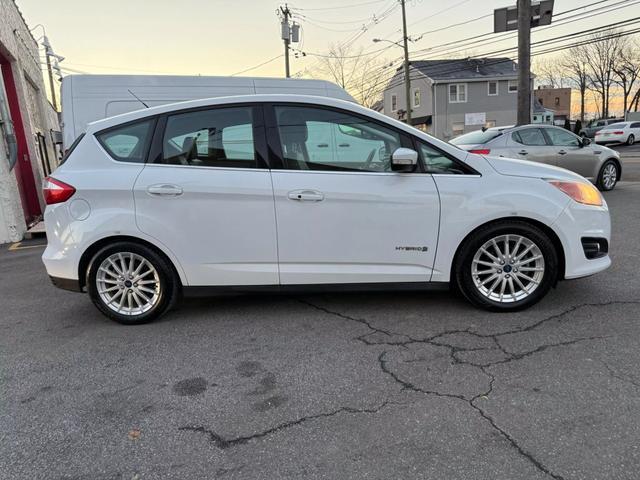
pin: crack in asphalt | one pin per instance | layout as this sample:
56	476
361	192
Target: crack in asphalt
618	376
224	443
437	340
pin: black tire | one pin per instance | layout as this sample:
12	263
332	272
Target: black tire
600	183
168	283
463	276
631	139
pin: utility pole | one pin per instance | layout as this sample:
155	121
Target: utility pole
524	62
407	78
286	36
51	84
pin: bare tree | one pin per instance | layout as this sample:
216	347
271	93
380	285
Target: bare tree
627	70
355	71
574	64
602	55
549	72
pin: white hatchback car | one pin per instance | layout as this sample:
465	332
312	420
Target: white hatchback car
284	192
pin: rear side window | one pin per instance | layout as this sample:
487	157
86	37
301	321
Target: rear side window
129	142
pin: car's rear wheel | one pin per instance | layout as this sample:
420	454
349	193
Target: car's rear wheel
631	140
608	176
506	266
130	283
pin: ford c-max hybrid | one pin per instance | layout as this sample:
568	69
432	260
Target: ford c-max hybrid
284	192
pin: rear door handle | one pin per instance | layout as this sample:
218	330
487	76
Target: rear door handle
306	195
562	152
523	152
344	145
165	190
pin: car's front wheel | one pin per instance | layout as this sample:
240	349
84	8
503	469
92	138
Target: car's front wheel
608	176
506	266
130	283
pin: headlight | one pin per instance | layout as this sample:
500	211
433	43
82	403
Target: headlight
580	192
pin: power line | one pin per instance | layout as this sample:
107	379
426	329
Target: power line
339	7
258	66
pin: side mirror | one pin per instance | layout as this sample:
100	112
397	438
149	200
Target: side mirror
586	141
404	160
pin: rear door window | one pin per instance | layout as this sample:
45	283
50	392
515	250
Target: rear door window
529	136
217	137
129	142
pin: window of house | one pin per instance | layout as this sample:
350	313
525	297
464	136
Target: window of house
218	137
557	101
394	103
513	86
127	143
457	128
416	97
315	138
492	88
457	93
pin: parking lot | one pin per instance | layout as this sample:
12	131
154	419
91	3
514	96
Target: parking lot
377	386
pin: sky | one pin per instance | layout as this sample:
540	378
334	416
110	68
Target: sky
215	37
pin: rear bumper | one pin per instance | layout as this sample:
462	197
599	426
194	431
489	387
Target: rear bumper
578	222
66	283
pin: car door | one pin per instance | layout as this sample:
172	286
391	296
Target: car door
635	130
569	151
206	194
351	220
530	144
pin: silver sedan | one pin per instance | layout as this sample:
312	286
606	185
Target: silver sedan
550	145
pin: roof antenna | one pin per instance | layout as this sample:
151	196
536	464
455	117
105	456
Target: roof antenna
134	96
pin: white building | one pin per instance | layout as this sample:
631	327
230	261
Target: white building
28	125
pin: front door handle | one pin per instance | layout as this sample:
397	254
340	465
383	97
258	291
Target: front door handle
523	152
306	196
562	152
165	190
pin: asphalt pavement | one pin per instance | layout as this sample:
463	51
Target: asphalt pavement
341	386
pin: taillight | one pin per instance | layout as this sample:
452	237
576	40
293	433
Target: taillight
618	133
481	151
55	191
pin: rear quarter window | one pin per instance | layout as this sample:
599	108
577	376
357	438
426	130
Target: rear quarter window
127	143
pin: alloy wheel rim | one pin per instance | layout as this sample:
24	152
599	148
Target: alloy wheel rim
128	283
508	268
609	176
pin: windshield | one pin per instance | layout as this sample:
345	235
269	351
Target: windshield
473	138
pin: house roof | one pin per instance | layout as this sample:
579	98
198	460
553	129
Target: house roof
467	68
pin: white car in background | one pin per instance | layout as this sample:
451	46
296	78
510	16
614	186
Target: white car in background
289	193
622	132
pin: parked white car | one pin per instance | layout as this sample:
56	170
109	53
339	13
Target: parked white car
621	132
247	194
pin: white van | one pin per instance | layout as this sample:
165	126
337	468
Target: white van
87	98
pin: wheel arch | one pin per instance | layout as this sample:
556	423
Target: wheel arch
553	236
91	250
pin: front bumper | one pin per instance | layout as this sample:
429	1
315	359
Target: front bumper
578	222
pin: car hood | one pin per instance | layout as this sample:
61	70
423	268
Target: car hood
525	168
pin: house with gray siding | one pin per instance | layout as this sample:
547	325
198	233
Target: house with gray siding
452	97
